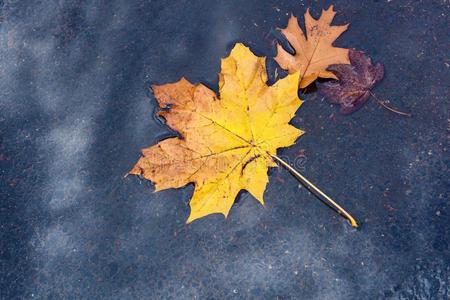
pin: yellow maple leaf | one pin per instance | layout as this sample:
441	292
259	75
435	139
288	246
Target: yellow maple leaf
225	142
313	52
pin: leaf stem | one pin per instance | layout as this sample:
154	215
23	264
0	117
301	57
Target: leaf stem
380	102
317	191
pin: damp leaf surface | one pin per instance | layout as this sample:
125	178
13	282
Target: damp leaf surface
355	82
314	50
225	141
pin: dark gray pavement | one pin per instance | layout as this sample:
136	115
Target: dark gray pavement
75	109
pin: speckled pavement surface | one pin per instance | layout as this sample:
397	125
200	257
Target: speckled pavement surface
75	109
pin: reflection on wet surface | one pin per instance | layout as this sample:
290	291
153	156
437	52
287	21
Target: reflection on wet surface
76	109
